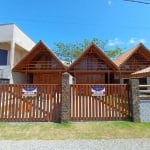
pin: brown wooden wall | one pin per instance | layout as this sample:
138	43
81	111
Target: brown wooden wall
96	77
44	78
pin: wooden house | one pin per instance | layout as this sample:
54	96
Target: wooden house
93	67
41	66
133	60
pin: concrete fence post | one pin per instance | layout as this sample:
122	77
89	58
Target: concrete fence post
65	102
134	83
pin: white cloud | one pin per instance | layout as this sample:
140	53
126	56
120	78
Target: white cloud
134	40
109	2
115	42
142	41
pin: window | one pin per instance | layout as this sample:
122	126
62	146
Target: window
3	57
4	81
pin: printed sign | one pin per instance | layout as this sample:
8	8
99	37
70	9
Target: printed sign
98	91
29	91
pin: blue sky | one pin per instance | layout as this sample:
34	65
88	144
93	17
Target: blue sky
120	22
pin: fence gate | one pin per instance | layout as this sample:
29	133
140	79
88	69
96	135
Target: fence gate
30	102
100	102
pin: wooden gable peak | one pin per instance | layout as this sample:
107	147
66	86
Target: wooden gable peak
35	51
92	48
122	59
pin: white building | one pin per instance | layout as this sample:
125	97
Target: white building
14	45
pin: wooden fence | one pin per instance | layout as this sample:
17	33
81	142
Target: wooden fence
25	102
19	102
111	102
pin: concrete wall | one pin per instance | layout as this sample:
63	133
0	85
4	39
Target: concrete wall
144	110
19	54
22	39
11	32
18	45
7	32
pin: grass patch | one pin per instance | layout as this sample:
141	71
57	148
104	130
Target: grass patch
74	130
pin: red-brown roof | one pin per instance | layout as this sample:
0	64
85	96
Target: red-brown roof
141	73
125	56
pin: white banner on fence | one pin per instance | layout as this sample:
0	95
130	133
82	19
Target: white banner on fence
29	91
98	91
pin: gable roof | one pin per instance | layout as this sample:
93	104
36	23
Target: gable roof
99	53
40	47
141	73
125	56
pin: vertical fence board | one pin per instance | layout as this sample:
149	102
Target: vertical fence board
14	106
113	106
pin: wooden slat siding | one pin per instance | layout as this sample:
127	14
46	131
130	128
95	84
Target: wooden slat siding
113	106
47	100
44	102
92	102
15	102
100	109
103	107
123	102
114	102
118	103
45	105
76	102
108	102
33	116
10	104
120	100
20	104
37	116
50	101
54	104
6	105
13	107
85	105
73	100
80	104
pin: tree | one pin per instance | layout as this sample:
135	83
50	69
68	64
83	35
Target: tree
70	51
114	52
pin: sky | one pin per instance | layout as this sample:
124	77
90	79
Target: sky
121	23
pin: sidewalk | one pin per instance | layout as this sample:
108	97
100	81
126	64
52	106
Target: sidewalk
113	144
